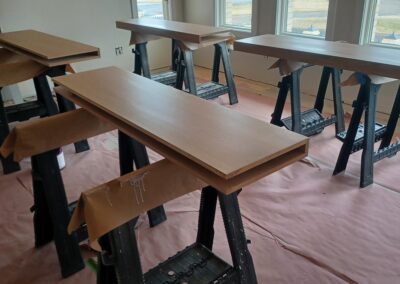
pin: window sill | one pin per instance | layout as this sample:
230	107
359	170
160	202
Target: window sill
383	45
303	36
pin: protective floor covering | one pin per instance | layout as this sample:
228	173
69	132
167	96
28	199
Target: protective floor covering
305	226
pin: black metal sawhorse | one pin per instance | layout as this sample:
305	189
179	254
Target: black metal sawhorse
119	262
182	60
213	89
363	136
51	209
310	122
142	66
43	106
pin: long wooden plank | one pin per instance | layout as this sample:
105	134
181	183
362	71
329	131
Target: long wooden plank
225	186
47	49
170	29
220	140
366	59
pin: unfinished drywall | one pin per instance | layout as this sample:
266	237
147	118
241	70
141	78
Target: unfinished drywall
347	16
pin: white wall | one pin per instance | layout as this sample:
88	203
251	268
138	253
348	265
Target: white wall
347	16
87	21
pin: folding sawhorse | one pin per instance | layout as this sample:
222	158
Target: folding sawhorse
309	122
363	136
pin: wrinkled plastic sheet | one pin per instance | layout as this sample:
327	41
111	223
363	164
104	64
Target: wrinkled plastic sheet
305	225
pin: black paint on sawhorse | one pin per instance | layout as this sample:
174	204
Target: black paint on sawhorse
142	64
363	137
311	121
9	166
65	105
131	151
51	213
211	89
120	260
44	106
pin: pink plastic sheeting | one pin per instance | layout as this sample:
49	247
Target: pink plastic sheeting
305	226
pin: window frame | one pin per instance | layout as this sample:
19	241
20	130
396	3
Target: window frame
239	32
165	5
282	11
368	23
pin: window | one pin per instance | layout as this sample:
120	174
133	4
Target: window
303	17
382	22
156	9
236	14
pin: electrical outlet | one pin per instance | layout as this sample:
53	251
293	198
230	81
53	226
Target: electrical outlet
119	50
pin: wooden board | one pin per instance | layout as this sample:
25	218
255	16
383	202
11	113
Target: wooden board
366	59
223	147
47	49
171	29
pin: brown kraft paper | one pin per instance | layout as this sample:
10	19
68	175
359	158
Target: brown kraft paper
229	38
38	136
15	68
114	203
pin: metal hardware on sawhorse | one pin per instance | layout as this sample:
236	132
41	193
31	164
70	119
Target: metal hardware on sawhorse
43	106
363	137
310	122
211	89
142	64
120	260
131	151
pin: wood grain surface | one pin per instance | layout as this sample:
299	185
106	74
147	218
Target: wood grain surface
367	59
171	29
208	138
47	49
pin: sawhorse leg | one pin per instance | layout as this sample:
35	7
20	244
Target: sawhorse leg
366	99
208	205
295	101
119	262
284	86
224	54
51	212
190	75
289	83
64	105
142	60
241	257
337	96
367	158
9	166
131	151
44	95
391	125
348	143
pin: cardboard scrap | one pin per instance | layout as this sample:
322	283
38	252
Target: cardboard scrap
38	136
286	66
229	38
15	68
358	78
137	38
114	203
